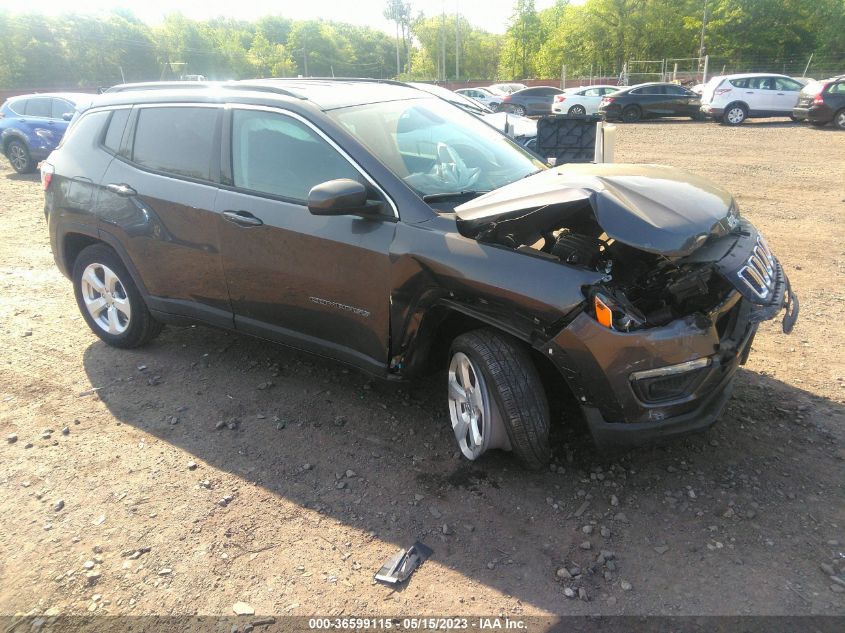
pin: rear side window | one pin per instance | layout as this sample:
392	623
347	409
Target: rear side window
39	107
837	88
176	140
277	155
739	83
61	108
114	134
787	84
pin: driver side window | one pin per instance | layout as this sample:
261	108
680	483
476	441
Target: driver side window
278	155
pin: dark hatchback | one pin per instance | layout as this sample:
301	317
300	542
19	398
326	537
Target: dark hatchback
374	224
530	101
822	102
651	100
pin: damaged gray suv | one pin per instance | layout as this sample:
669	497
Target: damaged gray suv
372	223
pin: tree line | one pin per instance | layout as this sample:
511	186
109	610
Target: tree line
73	49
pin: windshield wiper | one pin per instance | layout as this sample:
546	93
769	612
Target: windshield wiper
439	197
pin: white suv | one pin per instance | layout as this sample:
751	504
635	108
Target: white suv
733	98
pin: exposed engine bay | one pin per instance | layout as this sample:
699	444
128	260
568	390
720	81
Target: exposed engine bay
642	289
668	245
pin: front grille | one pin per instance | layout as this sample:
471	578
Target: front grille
758	273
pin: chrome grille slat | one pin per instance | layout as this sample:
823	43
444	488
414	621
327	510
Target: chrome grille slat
758	273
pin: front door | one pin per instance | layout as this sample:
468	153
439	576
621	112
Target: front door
319	283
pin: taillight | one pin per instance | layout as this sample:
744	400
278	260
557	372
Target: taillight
47	171
819	99
606	100
560	98
506	98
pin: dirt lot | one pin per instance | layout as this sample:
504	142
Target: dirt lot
120	495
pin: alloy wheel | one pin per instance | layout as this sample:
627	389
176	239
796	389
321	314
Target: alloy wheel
519	111
469	406
18	157
106	299
577	110
840	120
736	115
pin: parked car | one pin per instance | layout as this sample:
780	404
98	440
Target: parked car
530	101
732	99
506	88
583	100
650	100
371	223
822	102
31	126
483	96
521	129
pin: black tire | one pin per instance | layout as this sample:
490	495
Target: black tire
494	107
735	114
698	116
19	157
515	385
794	118
818	123
141	327
577	109
519	110
632	114
839	119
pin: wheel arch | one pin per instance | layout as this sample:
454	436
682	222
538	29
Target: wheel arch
75	240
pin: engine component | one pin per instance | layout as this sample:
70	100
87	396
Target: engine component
576	249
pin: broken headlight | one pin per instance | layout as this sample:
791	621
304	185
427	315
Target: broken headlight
615	312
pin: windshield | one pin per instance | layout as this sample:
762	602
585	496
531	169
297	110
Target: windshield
437	148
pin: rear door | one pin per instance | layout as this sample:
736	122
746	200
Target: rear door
157	198
590	99
41	130
654	100
320	283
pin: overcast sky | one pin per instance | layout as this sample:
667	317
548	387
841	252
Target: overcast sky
491	15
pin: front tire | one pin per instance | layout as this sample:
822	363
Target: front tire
110	301
734	114
519	110
496	398
19	157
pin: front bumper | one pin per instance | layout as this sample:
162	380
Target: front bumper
618	377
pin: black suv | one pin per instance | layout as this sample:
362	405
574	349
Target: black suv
822	102
375	224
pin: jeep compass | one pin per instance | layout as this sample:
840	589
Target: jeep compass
374	224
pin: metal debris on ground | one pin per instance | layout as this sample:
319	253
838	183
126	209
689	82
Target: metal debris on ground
400	566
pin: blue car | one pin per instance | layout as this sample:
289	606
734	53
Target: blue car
31	126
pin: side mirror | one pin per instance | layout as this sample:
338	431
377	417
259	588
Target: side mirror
342	197
67	116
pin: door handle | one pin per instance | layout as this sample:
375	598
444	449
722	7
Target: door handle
242	218
121	189
750	92
780	94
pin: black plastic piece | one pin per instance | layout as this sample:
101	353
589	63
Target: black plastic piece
567	138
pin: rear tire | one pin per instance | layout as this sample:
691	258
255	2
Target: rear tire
735	114
519	110
19	157
632	114
839	119
494	107
110	301
511	394
577	109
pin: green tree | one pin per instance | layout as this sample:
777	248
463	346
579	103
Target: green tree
522	42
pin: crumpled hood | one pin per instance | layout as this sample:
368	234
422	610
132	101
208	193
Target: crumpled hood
658	209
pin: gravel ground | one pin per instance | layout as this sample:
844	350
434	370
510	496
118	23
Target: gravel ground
210	469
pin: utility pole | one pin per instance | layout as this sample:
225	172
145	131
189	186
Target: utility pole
701	50
457	42
398	67
443	43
